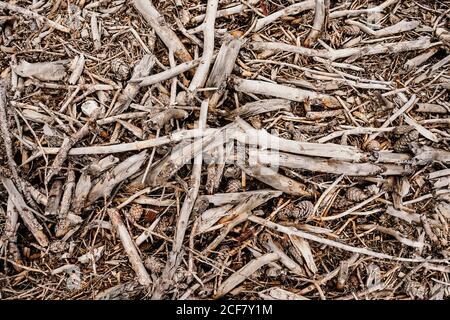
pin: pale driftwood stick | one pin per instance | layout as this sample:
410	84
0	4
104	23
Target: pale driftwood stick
222	68
295	232
280	91
426	154
209	218
357	130
354	208
158	23
216	168
422	130
141	69
173	162
167	74
315	164
95	32
7	136
399	27
239	214
274	179
138	145
77	70
352	13
54	198
175	255
122	171
262	106
128	244
276	293
201	74
44	71
220	199
67	144
408	105
354	53
302	246
239	276
420	59
122	116
25	212
66	199
159	120
293	266
225	12
431	108
33	15
293	9
318	24
395	234
266	140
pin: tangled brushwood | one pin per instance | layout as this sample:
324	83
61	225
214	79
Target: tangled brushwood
258	149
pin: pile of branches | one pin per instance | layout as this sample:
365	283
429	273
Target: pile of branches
252	149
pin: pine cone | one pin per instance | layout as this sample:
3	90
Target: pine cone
234	185
136	212
256	122
356	195
373	145
350	30
120	69
415	290
298	211
341	202
304	210
154	265
232	172
402	144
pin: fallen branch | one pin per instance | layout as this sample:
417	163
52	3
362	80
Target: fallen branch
158	23
128	244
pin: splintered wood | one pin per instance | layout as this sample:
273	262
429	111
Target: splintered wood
224	149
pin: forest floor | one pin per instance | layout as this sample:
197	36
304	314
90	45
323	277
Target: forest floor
258	149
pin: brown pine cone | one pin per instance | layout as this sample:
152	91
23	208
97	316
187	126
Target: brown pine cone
298	211
232	172
350	30
304	210
154	265
256	122
341	202
402	144
373	145
234	185
415	290
120	69
136	212
355	194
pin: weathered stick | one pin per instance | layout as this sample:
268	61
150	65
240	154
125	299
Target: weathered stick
128	244
167	74
142	69
293	9
158	23
33	15
201	74
25	212
318	24
295	232
239	276
354	53
189	201
280	91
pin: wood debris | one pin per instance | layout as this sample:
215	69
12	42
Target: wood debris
294	150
